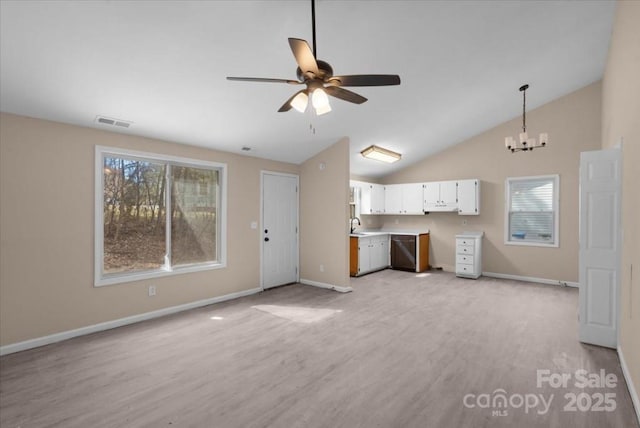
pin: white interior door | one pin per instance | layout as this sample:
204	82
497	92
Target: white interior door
279	229
600	233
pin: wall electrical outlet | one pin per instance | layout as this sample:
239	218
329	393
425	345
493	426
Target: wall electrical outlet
321	268
464	222
152	290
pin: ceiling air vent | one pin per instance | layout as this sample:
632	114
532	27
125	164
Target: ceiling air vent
113	122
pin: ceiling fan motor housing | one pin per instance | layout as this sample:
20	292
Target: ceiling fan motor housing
325	71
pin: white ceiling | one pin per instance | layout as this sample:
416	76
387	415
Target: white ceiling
162	65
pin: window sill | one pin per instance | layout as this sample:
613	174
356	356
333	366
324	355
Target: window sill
159	273
532	244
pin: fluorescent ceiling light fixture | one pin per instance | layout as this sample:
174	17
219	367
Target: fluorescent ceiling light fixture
378	153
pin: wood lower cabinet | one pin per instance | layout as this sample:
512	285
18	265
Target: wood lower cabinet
353	256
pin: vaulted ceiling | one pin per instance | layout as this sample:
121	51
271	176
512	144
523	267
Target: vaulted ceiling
162	65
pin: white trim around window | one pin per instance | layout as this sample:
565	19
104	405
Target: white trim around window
100	278
534	204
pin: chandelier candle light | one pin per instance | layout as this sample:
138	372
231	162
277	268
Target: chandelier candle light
526	143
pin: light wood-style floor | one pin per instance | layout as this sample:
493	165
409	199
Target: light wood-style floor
403	351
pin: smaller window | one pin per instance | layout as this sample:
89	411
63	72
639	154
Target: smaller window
531	210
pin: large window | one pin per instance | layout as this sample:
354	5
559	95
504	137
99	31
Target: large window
157	215
532	210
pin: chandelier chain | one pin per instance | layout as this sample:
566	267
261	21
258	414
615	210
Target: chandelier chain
524	111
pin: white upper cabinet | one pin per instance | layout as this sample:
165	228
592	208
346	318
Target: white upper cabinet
393	199
461	196
449	195
412	194
371	197
403	198
440	196
469	197
377	198
365	199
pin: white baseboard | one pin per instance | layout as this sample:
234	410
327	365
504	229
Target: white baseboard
630	386
530	279
325	285
58	337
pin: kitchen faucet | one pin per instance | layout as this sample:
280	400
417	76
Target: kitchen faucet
351	223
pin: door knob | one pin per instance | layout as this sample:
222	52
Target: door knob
266	239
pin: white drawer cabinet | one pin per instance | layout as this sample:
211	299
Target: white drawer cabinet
469	254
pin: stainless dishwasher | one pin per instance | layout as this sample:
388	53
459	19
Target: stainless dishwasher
403	252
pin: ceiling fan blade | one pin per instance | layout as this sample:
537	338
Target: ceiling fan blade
343	94
287	105
304	56
261	79
366	80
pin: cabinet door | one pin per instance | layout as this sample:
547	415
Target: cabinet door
355	199
377	198
384	252
364	255
353	256
469	197
431	195
366	191
448	195
393	199
379	252
412	195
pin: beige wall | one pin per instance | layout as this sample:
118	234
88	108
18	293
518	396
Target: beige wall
324	216
46	229
573	124
621	119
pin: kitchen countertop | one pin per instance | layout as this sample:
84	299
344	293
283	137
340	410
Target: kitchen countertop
378	232
470	235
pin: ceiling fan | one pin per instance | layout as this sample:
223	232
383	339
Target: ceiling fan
319	80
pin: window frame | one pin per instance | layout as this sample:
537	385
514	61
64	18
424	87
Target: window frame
102	279
556	211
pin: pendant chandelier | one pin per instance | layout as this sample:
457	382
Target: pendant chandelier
525	143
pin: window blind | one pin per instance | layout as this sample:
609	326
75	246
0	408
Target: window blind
532	210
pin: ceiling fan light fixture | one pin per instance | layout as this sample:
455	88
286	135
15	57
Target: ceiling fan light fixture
300	102
315	74
381	154
322	110
319	98
320	101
